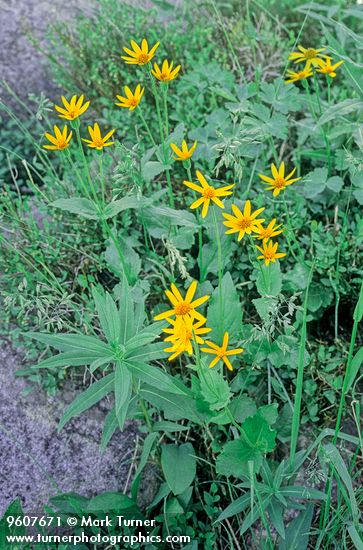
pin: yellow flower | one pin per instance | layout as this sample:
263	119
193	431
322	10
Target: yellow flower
97	141
295	77
328	68
269	252
221	352
181	335
166	73
131	100
208	193
266	233
279	181
311	56
184	153
139	55
245	222
183	307
60	140
72	109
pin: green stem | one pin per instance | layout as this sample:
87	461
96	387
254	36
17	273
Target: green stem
85	163
220	267
325	137
162	138
291	231
102	180
139	111
357	316
300	376
200	229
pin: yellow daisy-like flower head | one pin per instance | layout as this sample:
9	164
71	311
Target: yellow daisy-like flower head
310	56
328	68
243	222
221	352
296	77
208	193
60	140
279	181
269	252
72	109
132	99
166	73
184	153
183	307
97	141
182	332
266	233
139	55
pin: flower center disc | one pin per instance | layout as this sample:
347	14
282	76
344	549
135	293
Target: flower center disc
143	58
244	223
209	192
310	53
279	182
133	102
182	308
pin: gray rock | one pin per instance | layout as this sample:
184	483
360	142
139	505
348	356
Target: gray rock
22	65
35	461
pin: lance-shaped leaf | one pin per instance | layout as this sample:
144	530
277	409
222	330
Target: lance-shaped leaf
82	207
151	352
88	398
72	342
224	311
109	428
108	315
73	359
130	201
155	377
123	382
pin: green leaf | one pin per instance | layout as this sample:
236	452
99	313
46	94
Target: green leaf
256	441
70	359
234	458
354	368
84	207
298	532
342	471
155	377
72	343
126	312
258	433
108	315
302	492
276	513
130	201
150	352
355	536
152	168
175	407
165	426
269	280
224	311
214	388
15	510
109	428
123	381
88	398
340	109
236	507
353	73
146	450
315	182
335	183
179	466
105	502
